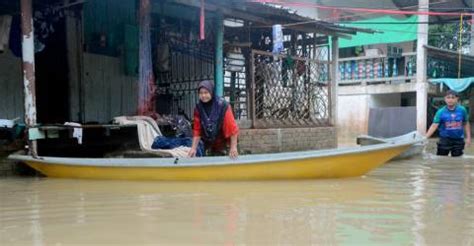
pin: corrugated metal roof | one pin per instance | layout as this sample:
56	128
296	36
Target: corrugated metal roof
281	15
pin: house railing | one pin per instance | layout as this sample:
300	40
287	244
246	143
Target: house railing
379	69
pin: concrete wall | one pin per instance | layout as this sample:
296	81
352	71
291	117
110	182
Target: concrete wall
385	100
282	140
11	86
353	113
353	116
355	102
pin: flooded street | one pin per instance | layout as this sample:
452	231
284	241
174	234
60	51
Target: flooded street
429	200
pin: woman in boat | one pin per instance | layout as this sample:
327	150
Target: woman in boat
214	123
453	123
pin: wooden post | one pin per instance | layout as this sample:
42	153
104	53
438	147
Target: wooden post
219	55
421	69
75	60
249	78
146	83
334	81
253	116
29	80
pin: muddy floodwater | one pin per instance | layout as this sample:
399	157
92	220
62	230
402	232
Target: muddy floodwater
428	200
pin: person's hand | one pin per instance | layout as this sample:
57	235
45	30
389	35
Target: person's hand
192	152
468	142
233	153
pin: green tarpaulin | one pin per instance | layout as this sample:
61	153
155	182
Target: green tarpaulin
392	33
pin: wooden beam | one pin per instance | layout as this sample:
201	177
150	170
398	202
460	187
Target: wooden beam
238	44
219	55
334	80
146	81
29	77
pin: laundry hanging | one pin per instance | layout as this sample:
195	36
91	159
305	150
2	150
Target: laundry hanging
44	22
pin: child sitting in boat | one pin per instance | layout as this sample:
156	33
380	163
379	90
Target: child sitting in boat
214	123
453	123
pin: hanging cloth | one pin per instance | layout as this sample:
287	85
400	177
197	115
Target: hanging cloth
458	85
277	39
163	58
5	24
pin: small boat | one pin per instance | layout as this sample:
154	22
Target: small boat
414	150
336	163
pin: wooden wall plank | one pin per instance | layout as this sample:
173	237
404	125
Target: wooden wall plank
11	86
109	93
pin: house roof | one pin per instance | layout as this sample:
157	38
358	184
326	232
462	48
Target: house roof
452	57
267	15
287	16
257	13
412	5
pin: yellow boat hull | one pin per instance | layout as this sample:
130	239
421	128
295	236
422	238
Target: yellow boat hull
347	164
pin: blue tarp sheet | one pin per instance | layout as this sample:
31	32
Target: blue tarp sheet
174	142
458	85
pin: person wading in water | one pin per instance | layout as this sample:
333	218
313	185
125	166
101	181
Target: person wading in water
453	123
214	123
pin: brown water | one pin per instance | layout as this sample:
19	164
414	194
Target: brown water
429	201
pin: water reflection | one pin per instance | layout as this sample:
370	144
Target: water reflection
419	201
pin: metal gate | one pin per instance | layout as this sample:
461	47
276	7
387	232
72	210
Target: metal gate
289	91
190	63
